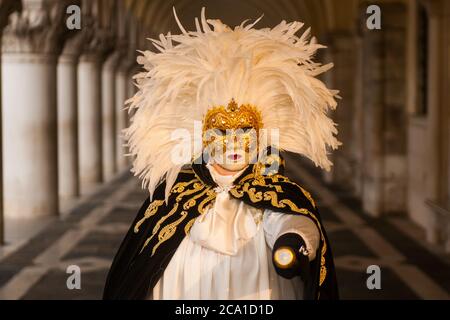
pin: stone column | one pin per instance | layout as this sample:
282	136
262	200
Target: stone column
123	89
121	115
109	115
124	36
344	50
384	171
438	231
435	101
447	92
67	119
90	64
132	89
89	121
30	47
6	8
357	142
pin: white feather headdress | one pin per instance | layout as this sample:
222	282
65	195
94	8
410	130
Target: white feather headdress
271	69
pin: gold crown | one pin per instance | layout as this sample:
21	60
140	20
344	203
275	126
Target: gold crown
232	117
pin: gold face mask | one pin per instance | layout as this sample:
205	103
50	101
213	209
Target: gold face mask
230	135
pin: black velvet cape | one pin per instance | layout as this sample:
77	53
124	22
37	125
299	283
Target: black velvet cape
159	228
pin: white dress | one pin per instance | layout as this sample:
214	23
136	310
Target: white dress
227	254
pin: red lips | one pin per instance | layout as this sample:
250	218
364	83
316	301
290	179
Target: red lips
234	156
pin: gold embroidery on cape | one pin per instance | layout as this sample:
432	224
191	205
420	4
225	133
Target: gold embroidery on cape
180	186
158	224
262	183
272	196
247	177
189	170
154	205
304	191
168	231
151	211
193	201
196	187
323	269
205	203
188	226
263	168
309	197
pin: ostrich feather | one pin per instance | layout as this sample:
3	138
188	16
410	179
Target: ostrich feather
271	68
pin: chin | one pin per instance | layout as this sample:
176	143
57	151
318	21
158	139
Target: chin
234	167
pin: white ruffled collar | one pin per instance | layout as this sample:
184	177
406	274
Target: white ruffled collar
229	223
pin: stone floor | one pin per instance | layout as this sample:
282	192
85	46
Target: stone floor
89	236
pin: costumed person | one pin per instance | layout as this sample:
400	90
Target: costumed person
214	109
